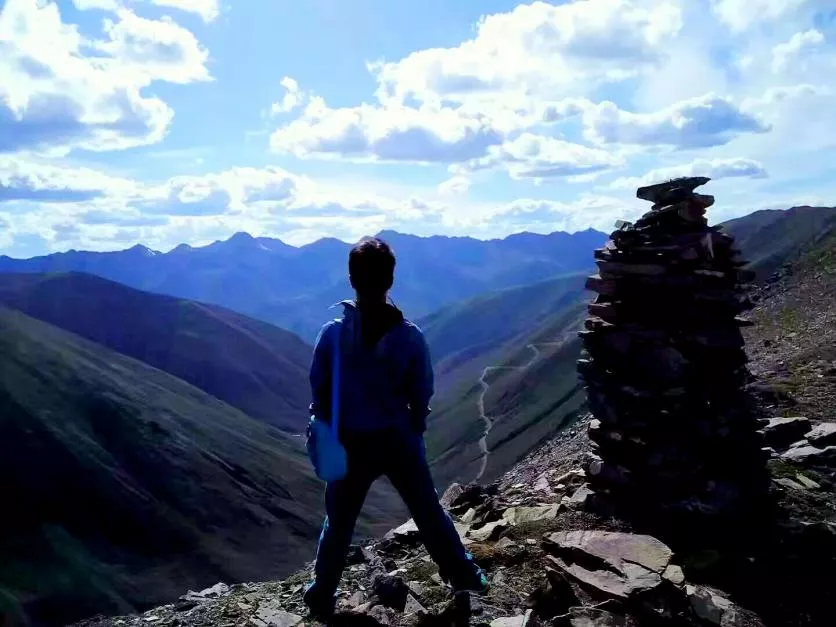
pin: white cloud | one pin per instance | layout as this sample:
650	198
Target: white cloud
391	133
712	168
741	14
293	97
538	157
454	186
155	49
542	46
545	216
709	120
228	192
27	180
207	9
104	5
54	95
795	49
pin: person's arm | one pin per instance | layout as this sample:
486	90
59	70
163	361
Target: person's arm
421	383
320	375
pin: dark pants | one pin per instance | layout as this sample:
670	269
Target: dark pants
402	458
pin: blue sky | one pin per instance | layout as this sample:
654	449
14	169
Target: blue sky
169	121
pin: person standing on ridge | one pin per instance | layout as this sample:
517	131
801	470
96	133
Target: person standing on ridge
384	392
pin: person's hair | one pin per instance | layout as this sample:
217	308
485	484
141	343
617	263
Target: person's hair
371	267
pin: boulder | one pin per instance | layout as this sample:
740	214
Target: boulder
807	482
781	432
451	494
823	434
579	499
519	515
616	564
271	615
406	530
218	590
811	455
788	483
715	608
491	531
413	606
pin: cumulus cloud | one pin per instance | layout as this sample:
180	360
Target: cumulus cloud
55	95
799	45
390	133
699	122
540	46
712	168
230	191
156	49
24	180
538	157
292	98
741	14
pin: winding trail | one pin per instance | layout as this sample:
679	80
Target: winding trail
480	402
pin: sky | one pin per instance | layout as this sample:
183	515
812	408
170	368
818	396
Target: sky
168	121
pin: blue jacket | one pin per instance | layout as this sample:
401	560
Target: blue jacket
388	385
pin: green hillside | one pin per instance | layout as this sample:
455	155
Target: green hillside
532	383
125	486
254	366
772	238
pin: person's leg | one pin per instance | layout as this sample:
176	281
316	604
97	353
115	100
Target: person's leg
343	501
409	472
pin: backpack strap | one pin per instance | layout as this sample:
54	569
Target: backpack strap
335	381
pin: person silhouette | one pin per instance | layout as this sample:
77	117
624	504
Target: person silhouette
385	389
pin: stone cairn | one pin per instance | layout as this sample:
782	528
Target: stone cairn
664	366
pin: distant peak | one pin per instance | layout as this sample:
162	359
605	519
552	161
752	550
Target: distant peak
140	249
241	236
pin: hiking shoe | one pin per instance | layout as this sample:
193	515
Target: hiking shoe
320	607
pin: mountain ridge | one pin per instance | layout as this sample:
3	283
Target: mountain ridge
293	287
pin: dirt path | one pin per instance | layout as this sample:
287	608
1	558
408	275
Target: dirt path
483	415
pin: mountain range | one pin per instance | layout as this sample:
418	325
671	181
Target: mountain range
294	287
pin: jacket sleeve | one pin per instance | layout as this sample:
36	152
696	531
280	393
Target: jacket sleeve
421	382
320	375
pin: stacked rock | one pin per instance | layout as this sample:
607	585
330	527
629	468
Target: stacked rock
664	365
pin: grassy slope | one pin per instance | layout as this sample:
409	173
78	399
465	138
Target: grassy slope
770	239
528	406
793	345
249	364
128	486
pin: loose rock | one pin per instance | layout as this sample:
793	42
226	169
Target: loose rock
823	434
781	432
617	564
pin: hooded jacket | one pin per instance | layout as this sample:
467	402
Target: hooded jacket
386	373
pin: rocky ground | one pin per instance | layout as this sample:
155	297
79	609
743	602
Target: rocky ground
549	561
